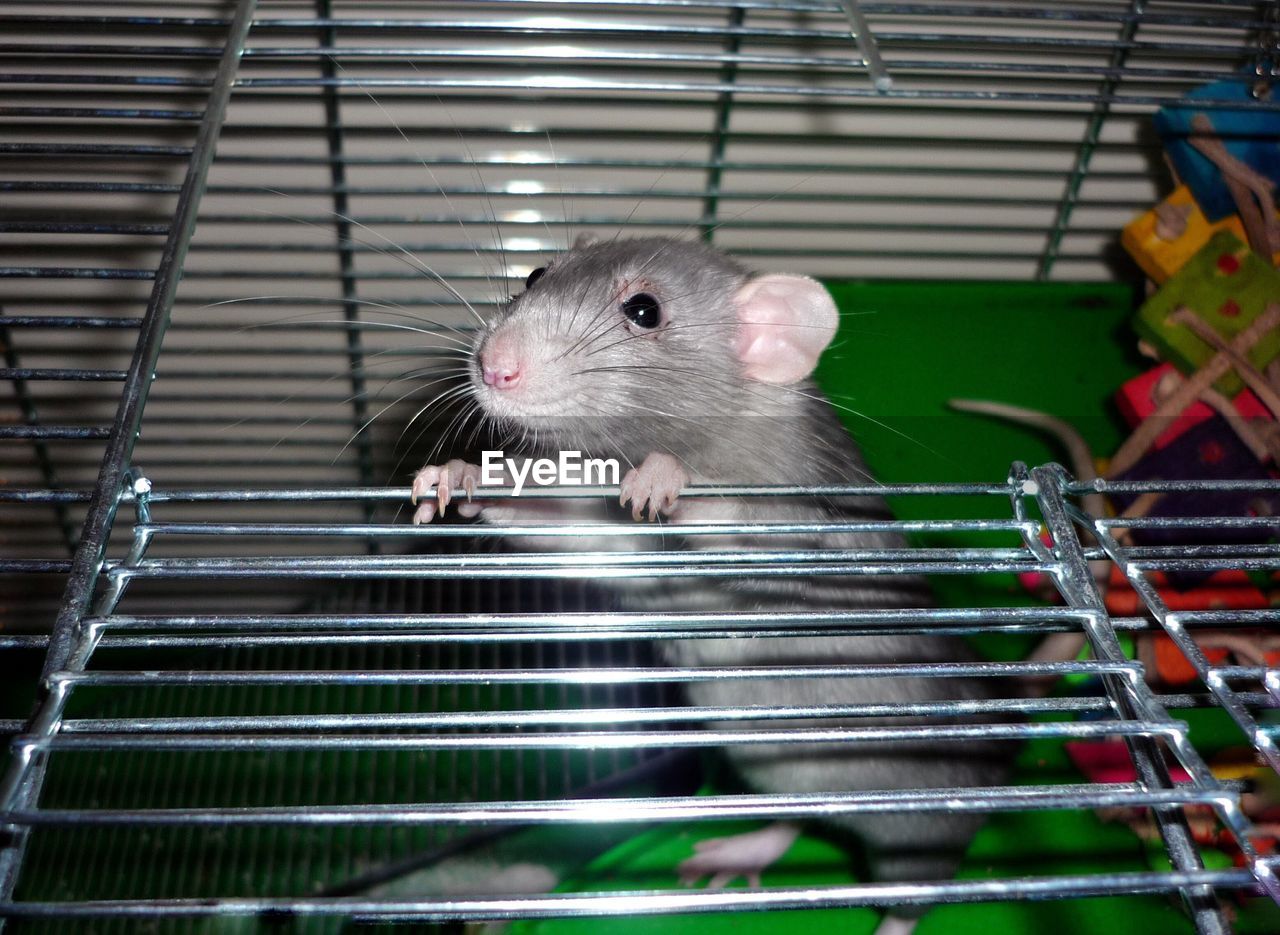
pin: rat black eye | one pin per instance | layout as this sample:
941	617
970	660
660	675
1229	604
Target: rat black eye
534	277
643	310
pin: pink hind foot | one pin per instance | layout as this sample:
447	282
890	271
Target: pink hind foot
740	855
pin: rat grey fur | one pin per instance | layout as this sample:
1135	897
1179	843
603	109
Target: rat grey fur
608	390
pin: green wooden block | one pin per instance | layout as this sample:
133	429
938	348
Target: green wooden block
1228	286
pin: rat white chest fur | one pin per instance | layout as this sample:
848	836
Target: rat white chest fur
672	358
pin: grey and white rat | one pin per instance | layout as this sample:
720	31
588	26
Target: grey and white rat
678	361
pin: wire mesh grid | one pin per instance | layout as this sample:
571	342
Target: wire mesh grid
202	659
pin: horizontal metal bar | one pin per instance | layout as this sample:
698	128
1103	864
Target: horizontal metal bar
655	86
187	569
1188	522
680	224
1102	485
91	149
68	321
427	634
616	675
59	373
63	432
20	641
1239	672
568	162
123	80
625	810
1209	564
1244	618
957	254
1015	558
578	529
1069	617
17	495
29	566
401	494
80	227
599	55
544	83
627	194
67	272
1179	553
662	902
594	717
600	740
587	625
1236	17
599	220
105	113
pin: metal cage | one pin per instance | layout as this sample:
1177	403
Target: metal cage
244	685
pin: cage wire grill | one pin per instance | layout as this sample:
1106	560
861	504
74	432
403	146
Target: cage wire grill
257	684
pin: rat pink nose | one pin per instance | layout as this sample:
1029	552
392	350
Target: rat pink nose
501	376
501	362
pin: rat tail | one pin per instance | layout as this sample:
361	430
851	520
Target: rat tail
1057	647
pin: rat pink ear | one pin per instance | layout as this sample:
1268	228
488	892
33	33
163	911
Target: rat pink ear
784	325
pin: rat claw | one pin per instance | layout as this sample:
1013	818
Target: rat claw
444	489
654	486
433	485
423	481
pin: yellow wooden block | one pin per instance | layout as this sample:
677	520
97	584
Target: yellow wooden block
1164	238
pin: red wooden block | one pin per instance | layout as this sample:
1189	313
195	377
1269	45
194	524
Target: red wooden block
1136	401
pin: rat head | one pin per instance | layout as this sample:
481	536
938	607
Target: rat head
640	343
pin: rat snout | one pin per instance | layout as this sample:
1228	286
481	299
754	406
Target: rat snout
500	363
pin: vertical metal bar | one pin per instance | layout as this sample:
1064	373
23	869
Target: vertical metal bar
1093	130
137	385
1217	685
724	109
1130	699
346	263
31	416
867	46
71	643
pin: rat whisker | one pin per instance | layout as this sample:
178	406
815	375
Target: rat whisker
445	407
410	447
374	417
423	162
440	400
304	317
342	374
408	258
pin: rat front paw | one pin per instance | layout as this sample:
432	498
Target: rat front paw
740	855
657	483
443	478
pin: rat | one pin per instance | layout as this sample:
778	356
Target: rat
688	368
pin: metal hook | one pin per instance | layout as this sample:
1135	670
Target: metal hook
1267	64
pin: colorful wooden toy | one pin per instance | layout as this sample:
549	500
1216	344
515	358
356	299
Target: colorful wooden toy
1208	451
1248	133
1138	398
1229	589
1163	239
1227	286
